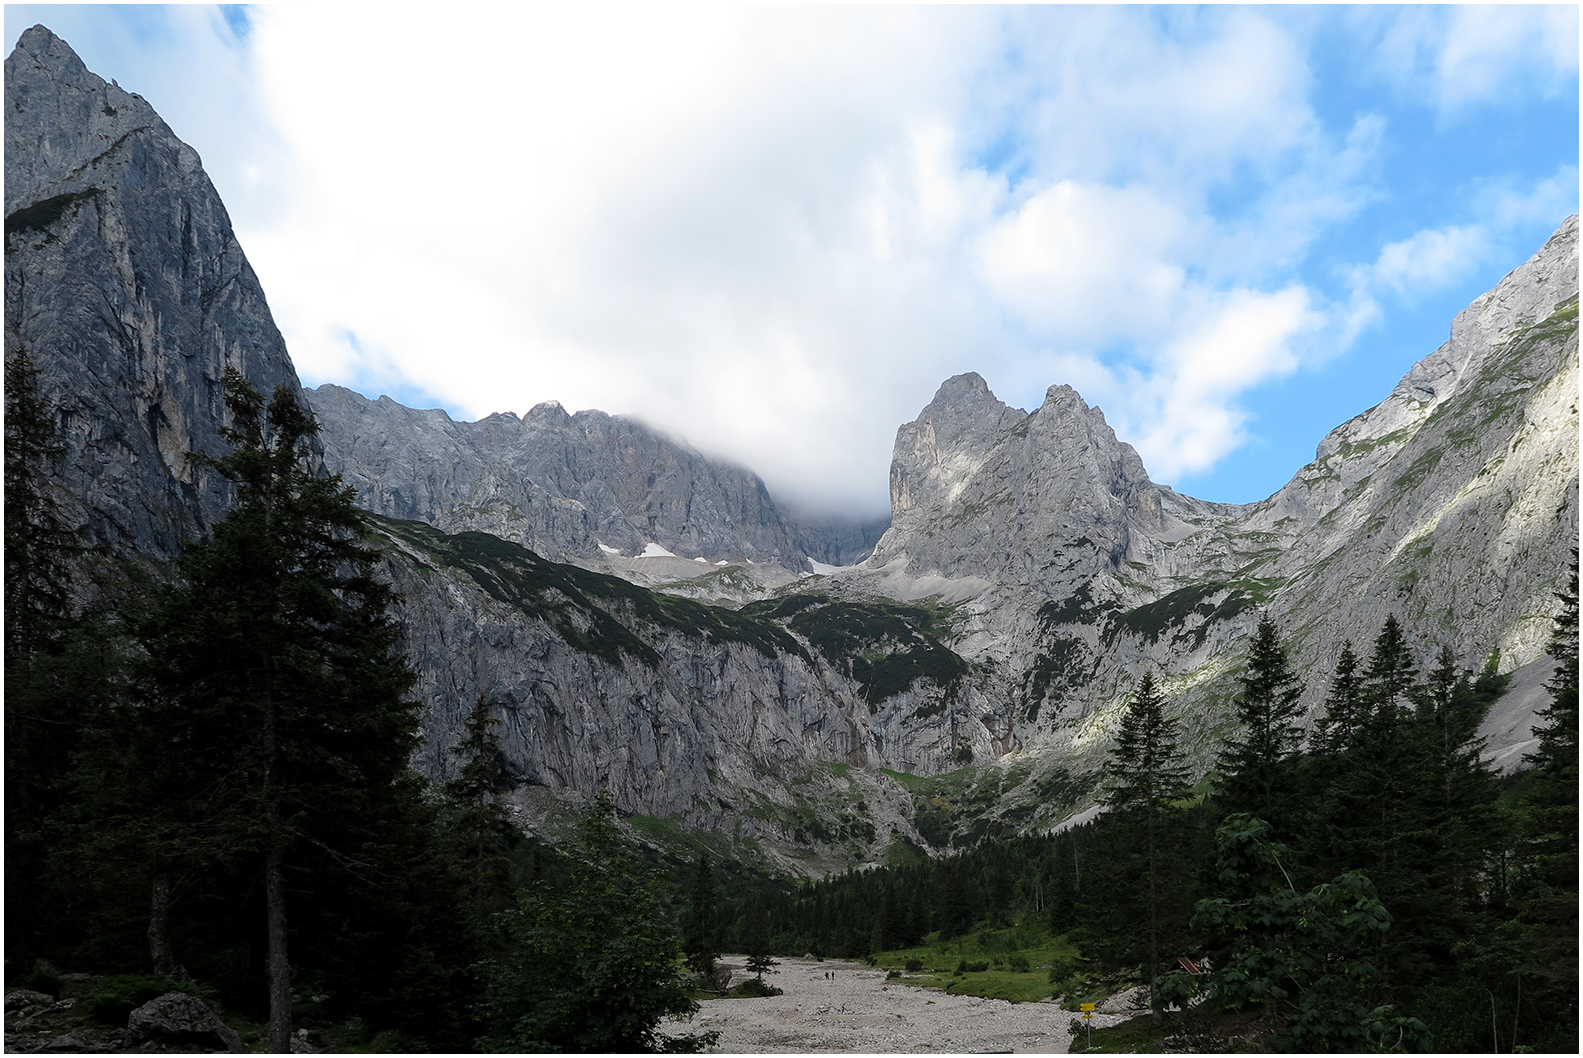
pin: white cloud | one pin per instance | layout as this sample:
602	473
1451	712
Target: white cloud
1430	259
775	230
1089	264
1180	408
1459	56
1543	204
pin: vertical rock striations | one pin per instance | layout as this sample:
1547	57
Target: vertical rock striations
565	485
129	292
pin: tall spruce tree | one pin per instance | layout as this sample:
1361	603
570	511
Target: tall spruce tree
280	707
475	825
1546	926
1257	761
38	730
1145	777
698	932
758	939
1335	730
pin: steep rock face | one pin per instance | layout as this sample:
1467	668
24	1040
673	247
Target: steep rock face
682	711
1044	501
1452	504
127	289
564	485
835	541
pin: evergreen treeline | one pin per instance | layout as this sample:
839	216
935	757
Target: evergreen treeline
1375	886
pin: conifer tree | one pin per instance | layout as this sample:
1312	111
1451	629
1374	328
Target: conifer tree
1546	926
476	826
271	678
1256	761
1145	778
885	920
38	551
759	960
698	936
1343	716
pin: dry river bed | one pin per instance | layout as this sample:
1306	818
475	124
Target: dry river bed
861	1012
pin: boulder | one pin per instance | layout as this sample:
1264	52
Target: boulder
23	1000
178	1018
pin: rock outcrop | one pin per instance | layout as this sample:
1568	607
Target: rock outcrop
177	1019
127	289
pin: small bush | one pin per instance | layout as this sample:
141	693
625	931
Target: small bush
893	975
394	1041
754	988
914	965
1018	964
1060	970
112	999
40	980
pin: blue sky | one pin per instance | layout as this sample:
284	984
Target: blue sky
775	231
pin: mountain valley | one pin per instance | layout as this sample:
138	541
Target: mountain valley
647	621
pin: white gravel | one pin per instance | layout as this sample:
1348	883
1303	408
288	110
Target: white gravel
861	1012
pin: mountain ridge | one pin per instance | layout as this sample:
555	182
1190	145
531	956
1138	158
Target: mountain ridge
1031	572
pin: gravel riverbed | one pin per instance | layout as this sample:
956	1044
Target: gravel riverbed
859	1011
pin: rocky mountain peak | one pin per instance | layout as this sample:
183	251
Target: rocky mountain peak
938	452
45	77
125	284
548	414
971	478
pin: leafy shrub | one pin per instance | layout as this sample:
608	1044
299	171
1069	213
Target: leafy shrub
893	975
394	1041
754	988
40	980
914	965
1060	970
360	1039
1018	964
112	999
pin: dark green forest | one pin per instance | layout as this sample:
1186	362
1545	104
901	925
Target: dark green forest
208	789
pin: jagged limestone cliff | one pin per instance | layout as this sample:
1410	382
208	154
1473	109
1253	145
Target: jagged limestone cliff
591	488
128	290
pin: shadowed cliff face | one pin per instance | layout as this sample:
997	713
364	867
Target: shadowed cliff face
127	288
1031	572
